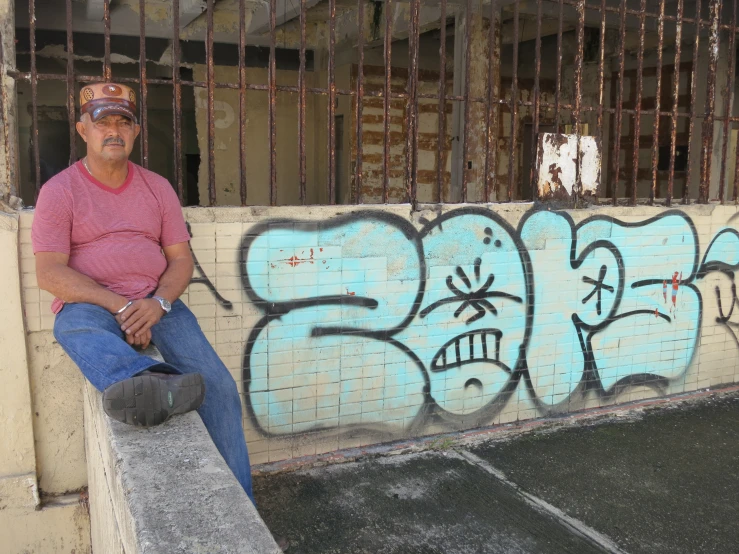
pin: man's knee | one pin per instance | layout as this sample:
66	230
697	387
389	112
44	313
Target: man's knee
79	318
222	389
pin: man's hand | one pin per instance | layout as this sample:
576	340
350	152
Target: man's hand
139	317
141	342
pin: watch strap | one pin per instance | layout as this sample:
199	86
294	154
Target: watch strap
163	302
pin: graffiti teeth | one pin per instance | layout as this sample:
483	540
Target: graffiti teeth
470	347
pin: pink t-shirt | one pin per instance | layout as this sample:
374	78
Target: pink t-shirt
114	236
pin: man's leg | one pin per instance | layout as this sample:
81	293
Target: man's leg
93	339
183	345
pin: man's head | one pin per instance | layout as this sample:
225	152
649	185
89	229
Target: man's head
108	122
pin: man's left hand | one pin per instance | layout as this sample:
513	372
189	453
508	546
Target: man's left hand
140	316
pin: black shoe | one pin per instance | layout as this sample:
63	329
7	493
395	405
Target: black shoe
151	399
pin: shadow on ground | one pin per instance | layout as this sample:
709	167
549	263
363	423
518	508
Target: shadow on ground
665	481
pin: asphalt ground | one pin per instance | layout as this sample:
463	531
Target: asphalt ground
654	480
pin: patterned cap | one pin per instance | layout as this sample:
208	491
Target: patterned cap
101	99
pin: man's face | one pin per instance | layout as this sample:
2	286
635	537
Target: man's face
110	138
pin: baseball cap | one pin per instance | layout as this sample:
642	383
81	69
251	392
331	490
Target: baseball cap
101	99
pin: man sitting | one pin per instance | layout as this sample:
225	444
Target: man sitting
111	245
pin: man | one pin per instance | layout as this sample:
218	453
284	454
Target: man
111	245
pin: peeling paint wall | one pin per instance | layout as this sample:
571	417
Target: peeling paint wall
568	165
226	108
40	428
428	133
8	114
477	134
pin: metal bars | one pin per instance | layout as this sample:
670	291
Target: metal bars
441	137
211	77
728	103
657	102
386	100
272	104
177	98
34	96
491	117
242	103
559	80
675	102
411	117
514	104
332	102
144	93
693	100
107	69
70	86
708	119
467	96
637	106
615	159
537	100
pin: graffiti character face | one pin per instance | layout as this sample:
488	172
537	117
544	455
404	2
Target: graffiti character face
627	329
472	320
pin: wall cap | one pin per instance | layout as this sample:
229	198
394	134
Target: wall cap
170	488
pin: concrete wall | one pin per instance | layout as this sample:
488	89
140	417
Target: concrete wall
346	327
143	488
53	519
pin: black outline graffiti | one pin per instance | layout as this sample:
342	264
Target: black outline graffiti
203	279
445	365
275	310
598	287
727	269
476	299
723	319
430	411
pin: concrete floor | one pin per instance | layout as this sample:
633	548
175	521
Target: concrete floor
657	481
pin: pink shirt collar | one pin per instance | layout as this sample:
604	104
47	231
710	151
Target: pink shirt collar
82	169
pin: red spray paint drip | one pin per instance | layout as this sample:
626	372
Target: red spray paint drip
675	286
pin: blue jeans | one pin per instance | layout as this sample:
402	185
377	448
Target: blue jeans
93	339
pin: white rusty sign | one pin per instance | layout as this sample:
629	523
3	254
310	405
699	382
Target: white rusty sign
558	165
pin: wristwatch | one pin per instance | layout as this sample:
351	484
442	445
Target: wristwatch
164	303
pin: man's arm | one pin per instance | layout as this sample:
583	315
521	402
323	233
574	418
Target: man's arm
175	279
144	313
55	276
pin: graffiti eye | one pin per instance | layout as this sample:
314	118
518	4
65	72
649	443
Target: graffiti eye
475	299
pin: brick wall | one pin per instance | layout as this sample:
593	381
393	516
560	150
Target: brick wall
428	134
351	326
428	126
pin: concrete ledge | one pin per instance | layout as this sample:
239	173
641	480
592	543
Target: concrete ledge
165	490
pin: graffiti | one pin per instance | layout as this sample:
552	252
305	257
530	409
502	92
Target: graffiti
724	317
203	278
724	247
393	328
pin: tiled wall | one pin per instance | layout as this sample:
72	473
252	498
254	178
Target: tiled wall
346	326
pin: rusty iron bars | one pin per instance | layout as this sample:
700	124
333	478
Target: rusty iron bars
627	109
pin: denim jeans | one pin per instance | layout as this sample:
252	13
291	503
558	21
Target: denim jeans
93	339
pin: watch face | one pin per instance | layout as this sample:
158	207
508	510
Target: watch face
166	306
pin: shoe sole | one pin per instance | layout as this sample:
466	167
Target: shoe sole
147	400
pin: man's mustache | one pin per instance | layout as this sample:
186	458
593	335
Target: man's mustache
114	140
